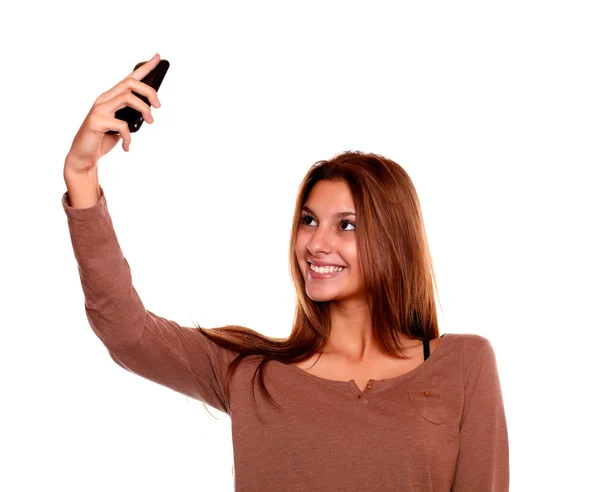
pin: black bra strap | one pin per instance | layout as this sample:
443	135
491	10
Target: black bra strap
426	348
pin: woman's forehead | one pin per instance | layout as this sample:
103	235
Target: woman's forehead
330	195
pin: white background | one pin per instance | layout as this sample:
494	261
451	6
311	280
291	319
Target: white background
491	107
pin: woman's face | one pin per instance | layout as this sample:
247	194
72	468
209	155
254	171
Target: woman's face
327	235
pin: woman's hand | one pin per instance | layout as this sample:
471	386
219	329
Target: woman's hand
91	141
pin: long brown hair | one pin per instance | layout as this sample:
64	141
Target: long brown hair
394	256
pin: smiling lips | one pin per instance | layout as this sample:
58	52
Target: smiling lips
326	273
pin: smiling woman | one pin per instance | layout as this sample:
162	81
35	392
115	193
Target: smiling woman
358	212
363	378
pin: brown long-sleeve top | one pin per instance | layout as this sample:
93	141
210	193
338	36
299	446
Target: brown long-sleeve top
440	427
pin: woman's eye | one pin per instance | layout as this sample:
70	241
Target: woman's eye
306	219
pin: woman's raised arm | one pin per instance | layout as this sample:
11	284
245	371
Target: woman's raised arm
182	359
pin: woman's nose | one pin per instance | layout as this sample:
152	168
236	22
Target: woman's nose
320	242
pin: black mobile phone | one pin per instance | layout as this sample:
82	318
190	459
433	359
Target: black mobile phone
132	116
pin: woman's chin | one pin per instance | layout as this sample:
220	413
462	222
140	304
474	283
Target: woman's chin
320	295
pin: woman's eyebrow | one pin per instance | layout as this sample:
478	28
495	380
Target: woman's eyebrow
339	214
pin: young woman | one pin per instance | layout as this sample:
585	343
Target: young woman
363	394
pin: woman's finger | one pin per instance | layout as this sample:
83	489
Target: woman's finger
103	123
130	81
127	99
140	72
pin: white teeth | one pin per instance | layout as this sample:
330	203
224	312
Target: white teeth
327	269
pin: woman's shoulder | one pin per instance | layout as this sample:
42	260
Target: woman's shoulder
469	340
471	345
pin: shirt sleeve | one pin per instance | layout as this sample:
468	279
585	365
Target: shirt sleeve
180	358
483	458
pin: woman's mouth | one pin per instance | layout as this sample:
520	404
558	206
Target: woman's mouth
321	273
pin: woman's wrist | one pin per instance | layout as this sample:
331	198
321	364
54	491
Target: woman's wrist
83	188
